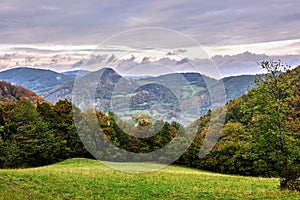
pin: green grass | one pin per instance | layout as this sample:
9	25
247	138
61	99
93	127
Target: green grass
89	179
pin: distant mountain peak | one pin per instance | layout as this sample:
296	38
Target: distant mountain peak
110	75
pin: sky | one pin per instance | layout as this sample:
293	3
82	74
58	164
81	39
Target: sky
74	27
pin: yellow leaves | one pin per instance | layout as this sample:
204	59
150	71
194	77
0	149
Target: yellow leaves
233	128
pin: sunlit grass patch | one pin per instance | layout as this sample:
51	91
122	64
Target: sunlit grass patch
91	179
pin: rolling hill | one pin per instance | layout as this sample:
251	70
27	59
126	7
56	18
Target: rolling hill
235	86
47	82
164	96
38	80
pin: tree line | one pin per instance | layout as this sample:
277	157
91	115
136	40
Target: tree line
39	135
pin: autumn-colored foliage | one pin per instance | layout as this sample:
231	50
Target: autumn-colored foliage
9	92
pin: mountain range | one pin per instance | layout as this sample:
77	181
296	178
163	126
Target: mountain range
166	97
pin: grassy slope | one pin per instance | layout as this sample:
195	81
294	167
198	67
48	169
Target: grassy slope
89	179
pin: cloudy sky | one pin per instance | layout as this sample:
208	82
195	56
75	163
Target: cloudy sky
209	22
222	27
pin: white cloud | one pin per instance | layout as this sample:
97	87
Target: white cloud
285	47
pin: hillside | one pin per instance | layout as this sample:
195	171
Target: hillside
258	124
38	80
89	179
12	93
236	86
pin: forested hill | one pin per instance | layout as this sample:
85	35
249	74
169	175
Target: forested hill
261	135
38	80
12	93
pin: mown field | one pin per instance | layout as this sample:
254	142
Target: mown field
89	179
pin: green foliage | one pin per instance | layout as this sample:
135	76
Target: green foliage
261	136
35	136
268	113
108	128
69	144
28	139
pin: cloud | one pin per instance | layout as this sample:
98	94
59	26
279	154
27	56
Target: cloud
176	52
209	22
218	66
248	63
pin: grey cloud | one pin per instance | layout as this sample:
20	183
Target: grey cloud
176	52
92	21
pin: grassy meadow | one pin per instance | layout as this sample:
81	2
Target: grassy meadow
90	179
